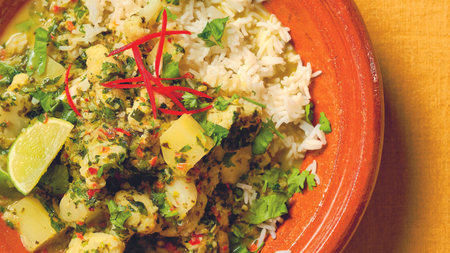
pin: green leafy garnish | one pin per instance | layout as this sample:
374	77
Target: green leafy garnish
174	2
253	102
118	214
137	115
57	178
185	148
7	74
111	71
170	15
24	26
227	159
325	125
37	58
222	104
216	29
309	112
268	207
163	205
296	181
170	68
80	9
216	132
265	137
141	207
271	177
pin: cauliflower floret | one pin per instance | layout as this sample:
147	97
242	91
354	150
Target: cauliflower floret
138	24
96	242
96	59
73	208
14	108
143	212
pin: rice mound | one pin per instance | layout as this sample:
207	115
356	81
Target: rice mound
253	62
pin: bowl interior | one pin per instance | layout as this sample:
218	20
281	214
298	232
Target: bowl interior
331	35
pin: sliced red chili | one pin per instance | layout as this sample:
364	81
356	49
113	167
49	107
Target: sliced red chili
161	43
120	130
145	39
69	98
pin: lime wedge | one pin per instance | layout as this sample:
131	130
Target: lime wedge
34	150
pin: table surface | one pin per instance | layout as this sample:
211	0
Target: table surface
409	209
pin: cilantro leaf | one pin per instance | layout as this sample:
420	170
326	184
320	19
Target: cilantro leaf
118	214
227	159
296	181
325	125
262	141
272	176
38	57
24	26
80	9
7	73
56	177
170	15
141	207
185	148
216	132
268	207
170	68
163	205
309	112
216	29
270	125
174	2
222	104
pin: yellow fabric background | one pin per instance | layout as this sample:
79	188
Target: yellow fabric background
409	209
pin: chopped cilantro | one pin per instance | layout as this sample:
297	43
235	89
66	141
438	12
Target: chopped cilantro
7	74
264	137
24	26
185	148
216	29
56	177
118	214
170	68
325	125
309	112
222	104
163	205
253	102
268	207
271	177
80	9
216	132
296	181
227	159
170	15
141	207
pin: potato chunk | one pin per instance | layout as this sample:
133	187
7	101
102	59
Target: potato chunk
32	222
184	144
182	194
96	242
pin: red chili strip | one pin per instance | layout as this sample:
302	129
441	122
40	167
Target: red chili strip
161	43
69	97
169	94
188	112
145	39
120	130
128	80
145	74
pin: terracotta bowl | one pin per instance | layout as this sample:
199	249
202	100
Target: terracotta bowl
331	35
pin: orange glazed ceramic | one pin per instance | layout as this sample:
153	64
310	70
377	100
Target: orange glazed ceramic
331	35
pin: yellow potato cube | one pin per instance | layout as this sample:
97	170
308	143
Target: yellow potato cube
34	224
184	144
